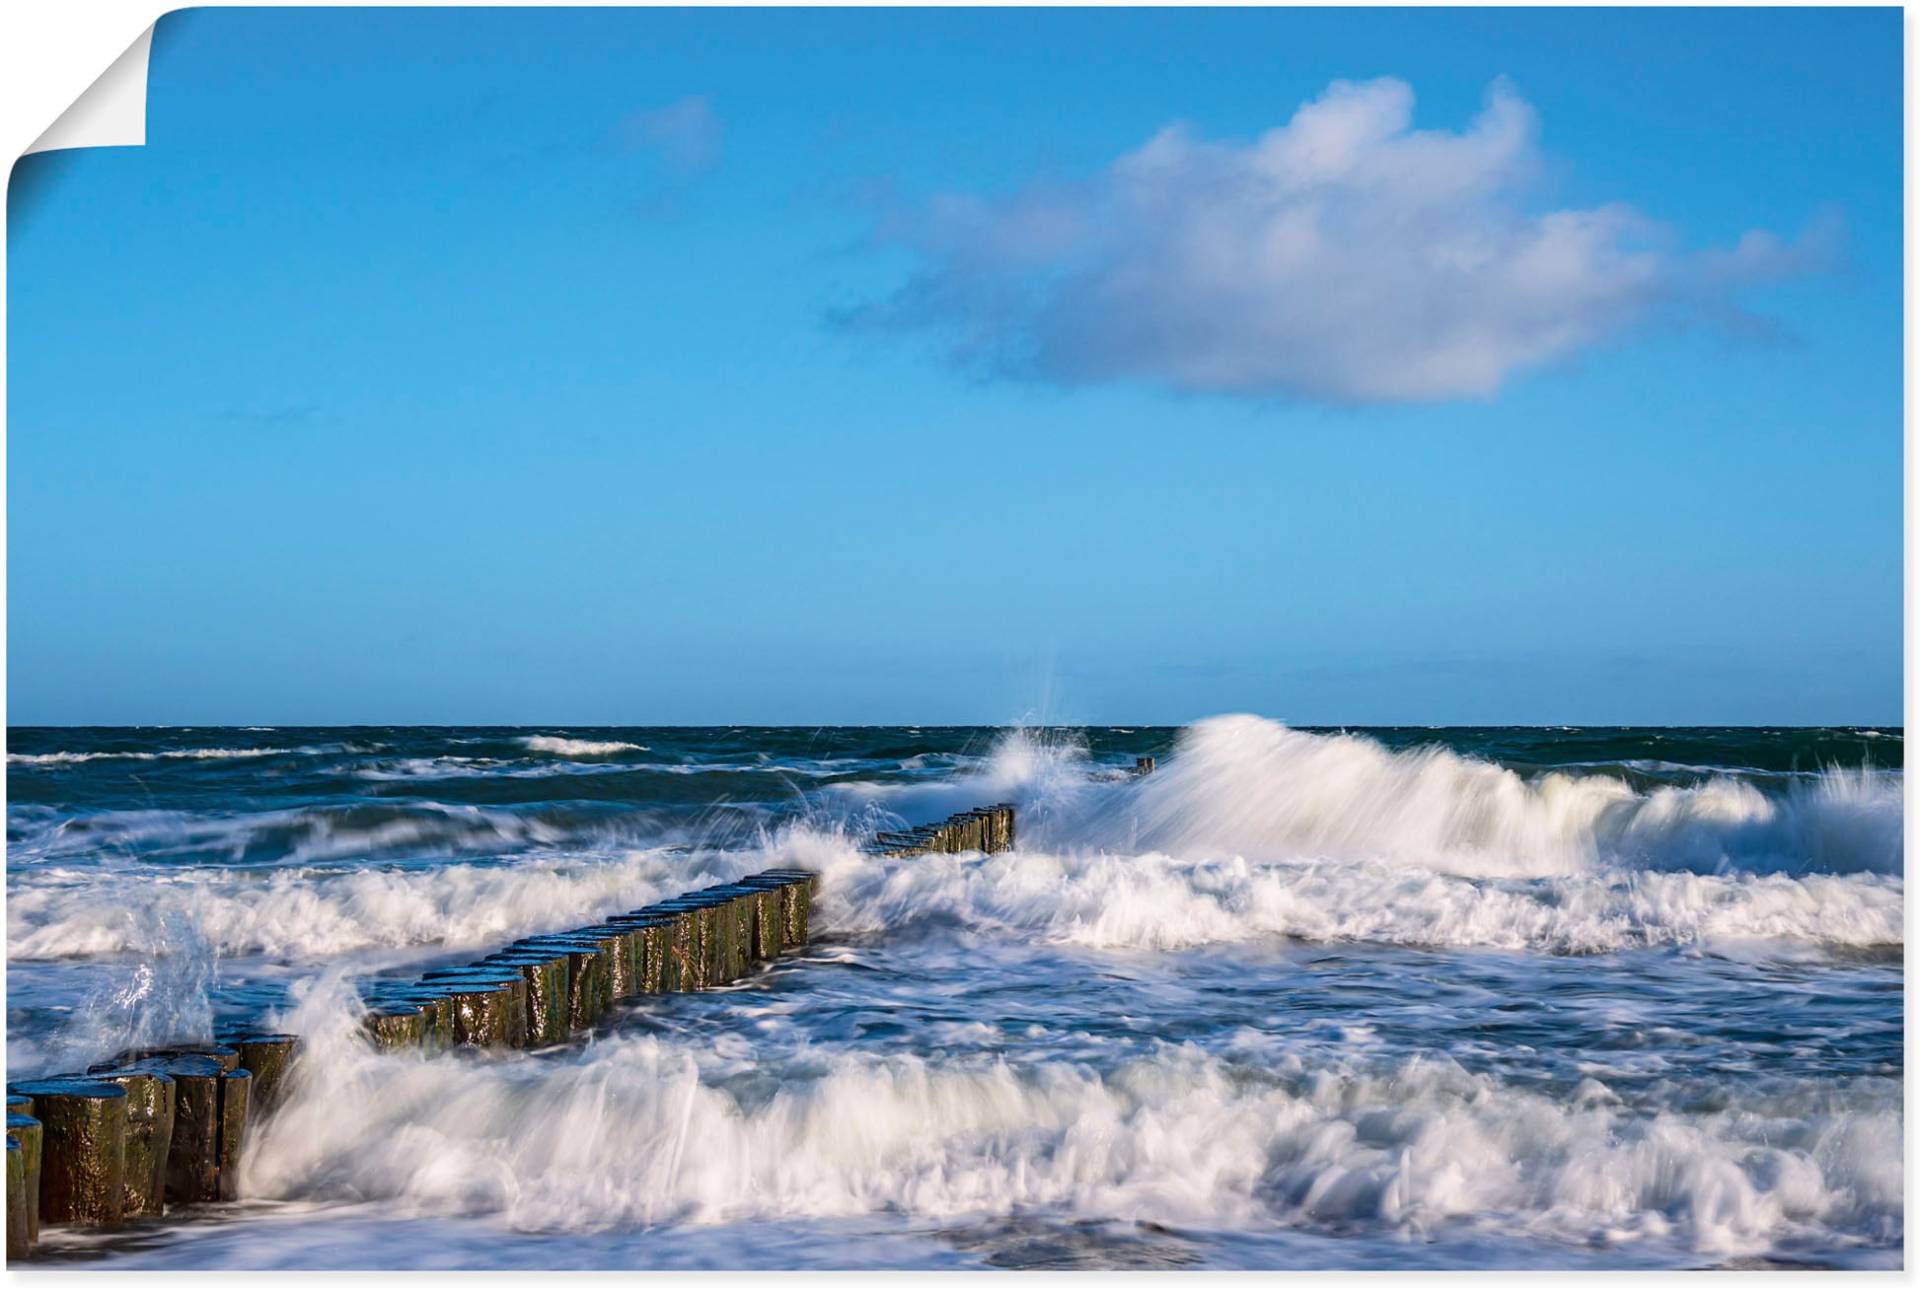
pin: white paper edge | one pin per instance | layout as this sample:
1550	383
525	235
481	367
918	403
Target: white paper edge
110	113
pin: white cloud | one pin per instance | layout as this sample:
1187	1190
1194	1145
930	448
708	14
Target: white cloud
687	135
1344	256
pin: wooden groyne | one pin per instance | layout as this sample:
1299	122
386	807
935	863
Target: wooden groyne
156	1129
986	828
549	989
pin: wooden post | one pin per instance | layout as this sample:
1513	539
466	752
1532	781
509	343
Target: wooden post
732	929
589	975
513	1033
236	1087
623	956
270	1057
151	1095
545	972
83	1165
396	1025
482	1014
19	1246
26	1131
693	947
797	900
653	937
193	1157
768	924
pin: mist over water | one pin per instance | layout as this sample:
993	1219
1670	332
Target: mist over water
1594	998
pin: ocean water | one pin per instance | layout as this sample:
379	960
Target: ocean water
1301	998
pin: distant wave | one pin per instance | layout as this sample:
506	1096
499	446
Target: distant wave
1249	787
561	747
184	754
316	914
634	1133
1155	901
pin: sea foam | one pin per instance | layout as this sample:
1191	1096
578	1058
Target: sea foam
644	1130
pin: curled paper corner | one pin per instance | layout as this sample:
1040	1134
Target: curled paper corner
112	112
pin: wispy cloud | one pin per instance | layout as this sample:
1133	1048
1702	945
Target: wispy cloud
687	136
1344	256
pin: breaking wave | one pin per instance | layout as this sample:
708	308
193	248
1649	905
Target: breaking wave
171	754
561	747
1160	902
1249	787
644	1130
312	914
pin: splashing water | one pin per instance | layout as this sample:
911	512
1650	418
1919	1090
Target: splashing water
1321	999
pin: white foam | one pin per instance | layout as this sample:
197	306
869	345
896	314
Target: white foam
1162	902
308	914
173	754
640	1130
560	747
1247	786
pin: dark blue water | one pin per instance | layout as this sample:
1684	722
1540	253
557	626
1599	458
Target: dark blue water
1487	997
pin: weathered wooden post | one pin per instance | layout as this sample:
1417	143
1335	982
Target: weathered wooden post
489	1005
482	1014
19	1245
653	940
623	956
591	968
693	947
396	1025
236	1088
796	901
733	930
545	972
151	1096
270	1057
434	1005
1143	765
501	974
84	1149
26	1130
674	947
193	1157
769	925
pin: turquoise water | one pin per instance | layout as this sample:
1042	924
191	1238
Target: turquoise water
1393	998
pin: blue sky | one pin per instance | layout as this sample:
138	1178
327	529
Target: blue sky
861	366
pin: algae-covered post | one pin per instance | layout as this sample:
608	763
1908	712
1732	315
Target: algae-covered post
18	1243
84	1150
25	1131
151	1098
236	1089
270	1057
193	1159
987	829
396	1025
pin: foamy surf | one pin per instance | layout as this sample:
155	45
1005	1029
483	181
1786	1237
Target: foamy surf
646	1131
562	747
1328	999
1250	787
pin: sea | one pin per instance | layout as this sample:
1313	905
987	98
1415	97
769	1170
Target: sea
1299	998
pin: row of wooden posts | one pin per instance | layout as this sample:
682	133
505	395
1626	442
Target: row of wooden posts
986	828
545	990
155	1129
158	1128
